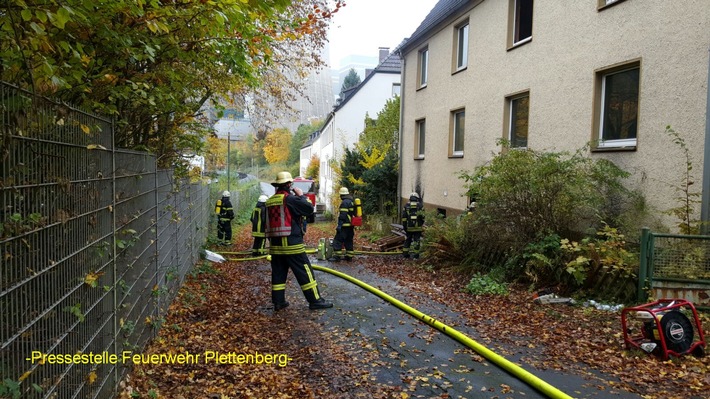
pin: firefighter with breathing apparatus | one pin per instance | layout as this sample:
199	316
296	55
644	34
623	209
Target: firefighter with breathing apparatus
225	214
345	231
412	222
258	226
286	210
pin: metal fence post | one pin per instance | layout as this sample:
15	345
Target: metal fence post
643	264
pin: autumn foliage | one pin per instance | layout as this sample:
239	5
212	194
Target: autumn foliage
225	307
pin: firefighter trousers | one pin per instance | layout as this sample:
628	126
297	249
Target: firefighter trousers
413	242
259	247
301	267
344	238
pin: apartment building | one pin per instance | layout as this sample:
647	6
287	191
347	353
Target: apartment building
554	75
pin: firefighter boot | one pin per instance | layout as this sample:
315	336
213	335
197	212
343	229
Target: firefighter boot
278	297
314	299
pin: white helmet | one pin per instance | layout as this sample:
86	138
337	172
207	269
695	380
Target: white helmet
263	198
226	193
344	191
414	194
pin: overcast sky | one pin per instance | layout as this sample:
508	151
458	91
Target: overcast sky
362	26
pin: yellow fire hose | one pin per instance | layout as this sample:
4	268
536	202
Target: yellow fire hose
502	362
267	257
379	252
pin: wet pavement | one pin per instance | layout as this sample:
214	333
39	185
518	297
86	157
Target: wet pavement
424	362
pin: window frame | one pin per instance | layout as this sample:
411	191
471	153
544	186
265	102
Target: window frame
453	133
604	4
514	7
423	67
460	50
396	89
419	138
508	122
599	108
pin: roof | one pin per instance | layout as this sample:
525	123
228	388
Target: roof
441	11
391	64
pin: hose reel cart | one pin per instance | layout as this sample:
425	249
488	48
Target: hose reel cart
665	327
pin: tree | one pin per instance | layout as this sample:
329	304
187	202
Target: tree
378	152
300	138
313	168
379	194
382	133
153	65
216	153
352	79
276	146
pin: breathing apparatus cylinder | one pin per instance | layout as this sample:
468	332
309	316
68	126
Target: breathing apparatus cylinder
218	207
358	207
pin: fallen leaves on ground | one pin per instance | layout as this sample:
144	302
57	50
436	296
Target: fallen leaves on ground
228	311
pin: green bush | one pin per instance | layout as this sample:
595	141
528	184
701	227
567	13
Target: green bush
529	204
485	285
523	193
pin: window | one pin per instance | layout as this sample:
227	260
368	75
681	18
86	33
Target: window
461	47
520	22
420	140
423	67
458	123
517	125
396	89
617	106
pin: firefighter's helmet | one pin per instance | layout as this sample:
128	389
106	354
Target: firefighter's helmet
226	193
344	191
282	177
414	195
263	198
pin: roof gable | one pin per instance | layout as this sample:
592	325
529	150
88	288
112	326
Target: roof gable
441	11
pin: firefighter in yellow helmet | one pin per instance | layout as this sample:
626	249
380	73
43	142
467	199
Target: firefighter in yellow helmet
286	210
345	231
412	221
258	226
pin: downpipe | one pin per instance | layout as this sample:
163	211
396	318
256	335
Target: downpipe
500	361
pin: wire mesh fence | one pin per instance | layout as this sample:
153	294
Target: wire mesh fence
681	257
94	242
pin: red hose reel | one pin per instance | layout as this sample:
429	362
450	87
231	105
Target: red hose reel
664	328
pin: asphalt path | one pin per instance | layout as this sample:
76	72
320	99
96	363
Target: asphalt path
423	361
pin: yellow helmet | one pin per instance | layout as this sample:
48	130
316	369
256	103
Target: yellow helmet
283	177
344	191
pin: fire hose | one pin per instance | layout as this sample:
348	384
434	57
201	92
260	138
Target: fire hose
505	364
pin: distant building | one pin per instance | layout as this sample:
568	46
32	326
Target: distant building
360	63
346	122
234	129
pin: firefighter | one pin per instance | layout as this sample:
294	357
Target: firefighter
412	221
286	210
345	231
225	214
258	226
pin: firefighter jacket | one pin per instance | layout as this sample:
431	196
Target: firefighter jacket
226	212
299	208
412	216
347	211
258	220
